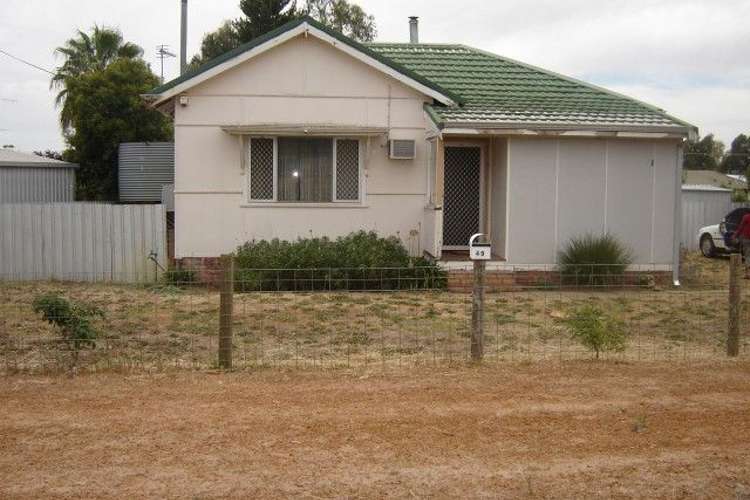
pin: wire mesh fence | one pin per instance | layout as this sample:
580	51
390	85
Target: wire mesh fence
381	317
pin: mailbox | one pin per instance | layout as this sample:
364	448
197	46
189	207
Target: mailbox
479	250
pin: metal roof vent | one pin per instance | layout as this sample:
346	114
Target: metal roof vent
402	149
413	29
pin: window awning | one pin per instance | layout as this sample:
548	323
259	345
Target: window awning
304	130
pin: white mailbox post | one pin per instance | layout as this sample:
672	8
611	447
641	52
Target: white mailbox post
479	250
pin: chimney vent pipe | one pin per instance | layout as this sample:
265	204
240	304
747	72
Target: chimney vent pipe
413	29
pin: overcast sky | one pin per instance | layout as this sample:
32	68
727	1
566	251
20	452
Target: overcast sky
688	57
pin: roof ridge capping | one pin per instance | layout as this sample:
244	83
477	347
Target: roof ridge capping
692	129
157	93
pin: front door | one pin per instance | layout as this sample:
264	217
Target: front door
462	195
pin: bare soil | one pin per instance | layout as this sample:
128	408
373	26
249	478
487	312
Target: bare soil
542	430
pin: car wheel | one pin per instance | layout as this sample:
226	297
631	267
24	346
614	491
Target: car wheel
707	246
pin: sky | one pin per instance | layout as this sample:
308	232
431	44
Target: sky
688	57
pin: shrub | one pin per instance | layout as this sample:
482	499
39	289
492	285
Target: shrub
358	261
594	260
72	319
596	330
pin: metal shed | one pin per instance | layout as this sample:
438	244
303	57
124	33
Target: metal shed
143	169
702	205
30	178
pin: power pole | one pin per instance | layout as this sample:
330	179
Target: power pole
162	52
183	37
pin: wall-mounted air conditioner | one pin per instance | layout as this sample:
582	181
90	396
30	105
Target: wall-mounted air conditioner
402	149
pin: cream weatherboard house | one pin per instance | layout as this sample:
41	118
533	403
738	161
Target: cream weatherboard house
304	131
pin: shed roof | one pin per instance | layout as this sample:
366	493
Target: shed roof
484	90
14	158
704	187
712	178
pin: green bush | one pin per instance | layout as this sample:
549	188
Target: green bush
596	330
71	318
594	260
358	261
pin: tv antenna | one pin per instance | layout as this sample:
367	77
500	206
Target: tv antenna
163	52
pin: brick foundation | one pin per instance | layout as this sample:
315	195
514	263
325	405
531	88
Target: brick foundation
207	269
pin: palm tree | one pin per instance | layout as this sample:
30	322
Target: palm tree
84	54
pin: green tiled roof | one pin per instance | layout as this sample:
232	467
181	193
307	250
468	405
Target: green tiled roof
491	91
500	91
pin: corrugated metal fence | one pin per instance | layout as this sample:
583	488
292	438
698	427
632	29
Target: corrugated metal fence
702	208
81	242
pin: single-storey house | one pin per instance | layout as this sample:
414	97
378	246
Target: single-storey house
30	178
305	131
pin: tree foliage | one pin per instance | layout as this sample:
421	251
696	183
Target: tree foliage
737	159
100	84
703	154
262	16
106	109
345	17
84	54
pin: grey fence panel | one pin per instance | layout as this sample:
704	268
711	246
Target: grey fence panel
702	208
82	242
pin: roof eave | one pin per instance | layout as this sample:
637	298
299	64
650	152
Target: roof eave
526	128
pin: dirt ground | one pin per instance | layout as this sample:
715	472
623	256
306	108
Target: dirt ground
554	430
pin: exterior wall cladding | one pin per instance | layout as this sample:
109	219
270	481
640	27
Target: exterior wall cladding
37	184
543	190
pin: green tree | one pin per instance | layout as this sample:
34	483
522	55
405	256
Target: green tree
262	16
216	43
737	159
86	53
344	17
106	109
703	154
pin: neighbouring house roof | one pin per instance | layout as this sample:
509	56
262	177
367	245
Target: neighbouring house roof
704	187
473	88
711	178
13	158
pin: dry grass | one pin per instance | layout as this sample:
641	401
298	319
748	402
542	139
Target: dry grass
165	326
549	430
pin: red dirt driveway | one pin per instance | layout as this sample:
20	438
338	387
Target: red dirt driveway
582	429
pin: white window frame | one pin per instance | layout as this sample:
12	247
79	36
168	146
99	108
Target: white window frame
334	194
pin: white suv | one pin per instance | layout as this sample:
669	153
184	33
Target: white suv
715	239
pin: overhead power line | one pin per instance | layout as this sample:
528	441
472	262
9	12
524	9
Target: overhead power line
26	62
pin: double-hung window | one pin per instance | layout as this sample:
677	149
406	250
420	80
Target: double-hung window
304	169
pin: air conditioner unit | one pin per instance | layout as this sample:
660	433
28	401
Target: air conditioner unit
402	149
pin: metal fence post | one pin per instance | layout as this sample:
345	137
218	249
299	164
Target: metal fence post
226	293
735	298
477	312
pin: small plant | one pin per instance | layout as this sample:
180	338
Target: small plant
72	319
596	330
594	260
